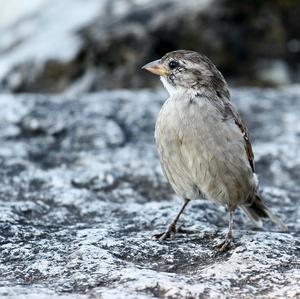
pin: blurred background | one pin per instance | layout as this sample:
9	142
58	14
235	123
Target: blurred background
51	46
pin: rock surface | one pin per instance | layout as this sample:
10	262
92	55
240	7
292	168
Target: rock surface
81	194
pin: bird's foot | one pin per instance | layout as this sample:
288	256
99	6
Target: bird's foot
167	235
224	245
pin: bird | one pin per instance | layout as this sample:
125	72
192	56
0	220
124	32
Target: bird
203	144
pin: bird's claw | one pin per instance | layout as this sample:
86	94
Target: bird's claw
224	245
167	235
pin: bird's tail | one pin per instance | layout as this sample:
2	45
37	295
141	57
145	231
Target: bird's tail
258	210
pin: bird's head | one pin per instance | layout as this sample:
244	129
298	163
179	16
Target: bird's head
185	69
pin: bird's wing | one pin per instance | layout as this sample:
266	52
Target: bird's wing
241	125
228	111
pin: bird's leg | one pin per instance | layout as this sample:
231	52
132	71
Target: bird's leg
225	244
171	230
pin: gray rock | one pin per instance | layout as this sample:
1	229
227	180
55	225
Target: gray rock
81	194
274	72
40	47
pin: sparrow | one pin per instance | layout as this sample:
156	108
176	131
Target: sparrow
203	144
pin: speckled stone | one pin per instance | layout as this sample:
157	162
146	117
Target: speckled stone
82	192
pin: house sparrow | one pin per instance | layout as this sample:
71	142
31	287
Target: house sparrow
203	144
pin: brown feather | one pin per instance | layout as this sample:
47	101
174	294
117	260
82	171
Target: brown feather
240	123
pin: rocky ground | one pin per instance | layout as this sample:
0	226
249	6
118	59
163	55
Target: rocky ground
81	194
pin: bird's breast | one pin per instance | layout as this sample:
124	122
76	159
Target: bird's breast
185	118
196	144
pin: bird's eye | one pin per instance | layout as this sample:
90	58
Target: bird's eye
173	64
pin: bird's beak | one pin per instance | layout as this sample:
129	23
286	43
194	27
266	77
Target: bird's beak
156	67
